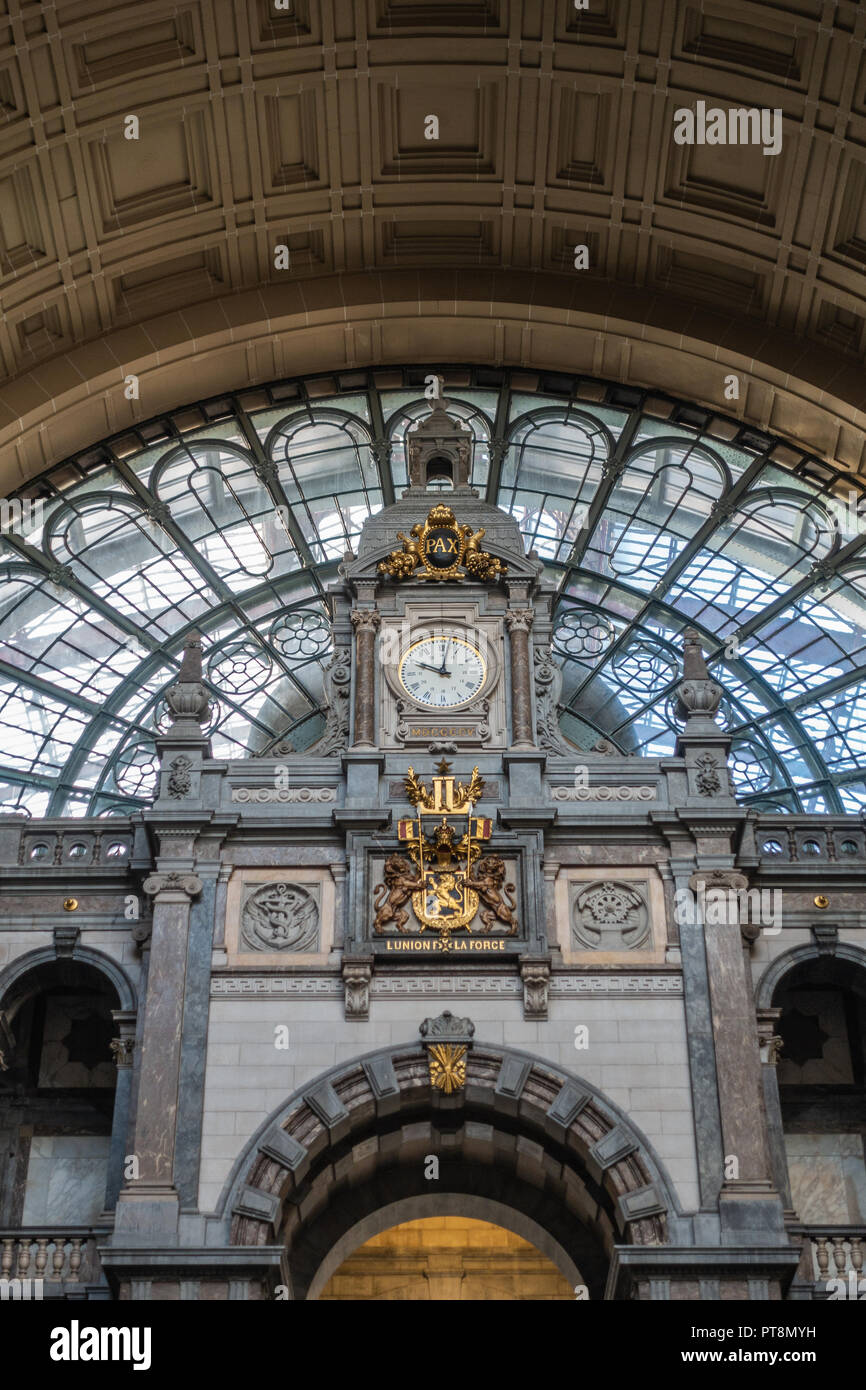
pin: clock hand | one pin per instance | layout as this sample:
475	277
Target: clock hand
442	670
428	667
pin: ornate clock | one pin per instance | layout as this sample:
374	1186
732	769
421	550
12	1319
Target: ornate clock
442	671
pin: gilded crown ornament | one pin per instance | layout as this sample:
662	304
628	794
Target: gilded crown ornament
442	548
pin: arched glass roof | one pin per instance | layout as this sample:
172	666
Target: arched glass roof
230	517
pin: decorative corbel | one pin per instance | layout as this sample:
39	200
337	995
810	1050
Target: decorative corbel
66	936
826	937
357	975
535	975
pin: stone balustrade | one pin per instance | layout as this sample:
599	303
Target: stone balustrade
61	1256
837	1252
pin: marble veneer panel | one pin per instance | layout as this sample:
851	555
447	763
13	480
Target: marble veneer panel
65	1179
828	1178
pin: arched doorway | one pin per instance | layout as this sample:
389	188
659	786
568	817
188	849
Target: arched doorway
523	1145
816	999
446	1258
65	1021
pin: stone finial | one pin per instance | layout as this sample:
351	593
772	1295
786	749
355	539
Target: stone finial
188	699
698	696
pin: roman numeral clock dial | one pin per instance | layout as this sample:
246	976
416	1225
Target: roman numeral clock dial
442	672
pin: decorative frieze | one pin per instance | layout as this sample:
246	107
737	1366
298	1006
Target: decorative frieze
604	793
284	795
561	986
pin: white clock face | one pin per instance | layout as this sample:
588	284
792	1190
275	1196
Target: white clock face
441	672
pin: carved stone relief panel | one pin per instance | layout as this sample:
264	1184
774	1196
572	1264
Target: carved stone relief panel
612	916
609	916
279	915
283	916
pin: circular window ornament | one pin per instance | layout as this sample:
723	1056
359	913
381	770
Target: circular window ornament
136	768
117	850
39	852
301	636
849	847
583	633
77	851
771	847
645	667
810	847
751	766
241	668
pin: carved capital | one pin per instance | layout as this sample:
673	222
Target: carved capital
718	893
769	1042
122	1050
705	879
519	619
188	884
366	619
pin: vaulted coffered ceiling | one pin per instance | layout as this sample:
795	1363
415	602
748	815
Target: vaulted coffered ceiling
305	127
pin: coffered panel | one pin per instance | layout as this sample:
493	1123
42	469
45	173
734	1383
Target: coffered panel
304	126
168	169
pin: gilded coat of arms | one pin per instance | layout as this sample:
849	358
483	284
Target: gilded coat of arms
445	878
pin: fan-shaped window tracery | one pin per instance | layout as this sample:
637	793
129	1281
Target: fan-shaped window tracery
231	517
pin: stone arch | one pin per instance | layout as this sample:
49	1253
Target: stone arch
799	955
667	344
522	1132
436	1204
14	982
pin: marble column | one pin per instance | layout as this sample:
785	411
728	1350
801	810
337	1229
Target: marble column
770	1044
518	622
365	621
123	1050
159	1070
738	1064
